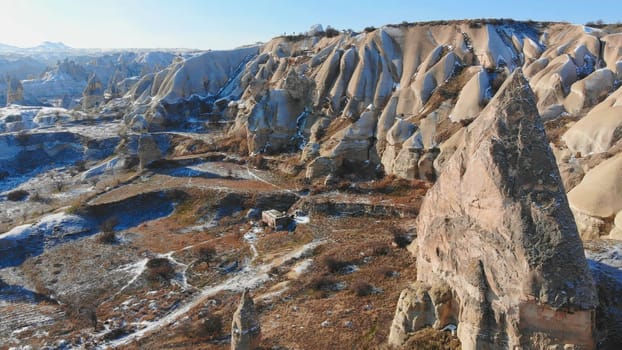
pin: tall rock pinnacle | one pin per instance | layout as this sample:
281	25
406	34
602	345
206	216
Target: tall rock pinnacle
245	328
496	232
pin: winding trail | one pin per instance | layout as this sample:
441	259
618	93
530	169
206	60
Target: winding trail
249	278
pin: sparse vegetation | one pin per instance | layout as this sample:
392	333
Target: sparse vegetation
369	29
108	235
400	237
205	254
362	288
331	32
208	328
17	195
323	283
160	270
335	265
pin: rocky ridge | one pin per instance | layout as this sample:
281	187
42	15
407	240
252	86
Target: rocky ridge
357	125
395	100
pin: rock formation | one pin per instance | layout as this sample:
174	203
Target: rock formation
498	252
596	202
93	94
14	91
148	150
391	97
245	328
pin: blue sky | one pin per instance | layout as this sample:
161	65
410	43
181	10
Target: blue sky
223	24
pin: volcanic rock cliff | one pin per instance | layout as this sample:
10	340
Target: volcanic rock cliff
394	100
498	252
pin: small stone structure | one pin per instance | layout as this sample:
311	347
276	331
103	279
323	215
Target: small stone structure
276	219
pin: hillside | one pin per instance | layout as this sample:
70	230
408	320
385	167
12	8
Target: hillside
132	208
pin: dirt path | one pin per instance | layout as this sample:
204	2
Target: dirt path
249	278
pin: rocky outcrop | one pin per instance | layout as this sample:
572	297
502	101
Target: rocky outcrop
596	202
245	328
497	238
276	120
93	94
14	91
148	150
337	97
599	130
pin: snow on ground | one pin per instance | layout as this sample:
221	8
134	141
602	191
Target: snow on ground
302	219
606	257
134	269
300	268
249	278
64	223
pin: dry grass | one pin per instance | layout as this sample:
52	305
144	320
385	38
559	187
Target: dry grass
430	339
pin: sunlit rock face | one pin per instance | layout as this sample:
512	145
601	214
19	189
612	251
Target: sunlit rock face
498	252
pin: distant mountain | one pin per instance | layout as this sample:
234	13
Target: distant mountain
51	46
4	47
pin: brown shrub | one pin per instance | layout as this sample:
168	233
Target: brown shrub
335	265
362	288
207	329
108	235
331	32
17	195
259	162
381	249
387	272
400	237
431	339
160	270
323	283
205	253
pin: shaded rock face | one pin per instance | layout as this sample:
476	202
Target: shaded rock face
278	117
245	328
497	232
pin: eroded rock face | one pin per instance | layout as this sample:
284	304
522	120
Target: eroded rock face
245	328
595	201
93	94
497	231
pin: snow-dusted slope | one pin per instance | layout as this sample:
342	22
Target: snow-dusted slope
424	81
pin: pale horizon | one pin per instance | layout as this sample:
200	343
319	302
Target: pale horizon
195	24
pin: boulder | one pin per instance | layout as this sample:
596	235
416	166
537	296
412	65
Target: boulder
93	94
245	328
406	164
497	232
421	306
